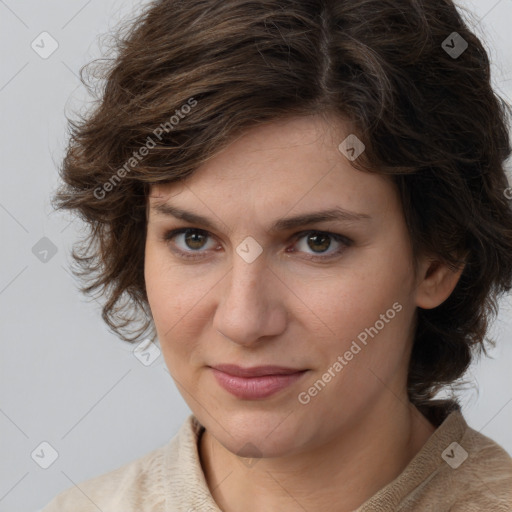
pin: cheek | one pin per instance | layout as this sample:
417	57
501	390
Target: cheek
178	298
171	293
353	298
366	311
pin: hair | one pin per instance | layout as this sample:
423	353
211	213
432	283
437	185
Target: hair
189	77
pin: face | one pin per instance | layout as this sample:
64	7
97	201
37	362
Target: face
333	297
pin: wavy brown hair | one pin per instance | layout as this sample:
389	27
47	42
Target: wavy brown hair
428	118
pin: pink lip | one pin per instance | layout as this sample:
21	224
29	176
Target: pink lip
257	382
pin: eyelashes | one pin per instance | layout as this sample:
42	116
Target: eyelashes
169	237
196	236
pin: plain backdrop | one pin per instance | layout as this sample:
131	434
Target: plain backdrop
65	379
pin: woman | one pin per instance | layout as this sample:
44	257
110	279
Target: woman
305	204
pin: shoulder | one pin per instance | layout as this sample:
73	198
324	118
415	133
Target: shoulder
123	487
457	470
472	473
483	481
139	485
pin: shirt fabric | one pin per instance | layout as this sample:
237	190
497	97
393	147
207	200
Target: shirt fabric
457	470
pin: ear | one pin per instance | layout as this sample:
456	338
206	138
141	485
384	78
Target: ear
436	281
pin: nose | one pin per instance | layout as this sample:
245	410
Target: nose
251	306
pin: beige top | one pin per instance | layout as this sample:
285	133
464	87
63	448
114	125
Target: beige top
457	470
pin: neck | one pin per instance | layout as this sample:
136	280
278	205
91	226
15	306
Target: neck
348	469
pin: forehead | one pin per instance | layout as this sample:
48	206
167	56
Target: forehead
286	164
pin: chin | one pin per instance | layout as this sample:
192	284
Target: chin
256	434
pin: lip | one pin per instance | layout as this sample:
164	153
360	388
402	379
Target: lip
255	371
257	382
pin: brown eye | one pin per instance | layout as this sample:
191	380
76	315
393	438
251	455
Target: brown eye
321	242
316	244
194	239
188	242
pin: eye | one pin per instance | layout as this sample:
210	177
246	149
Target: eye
320	242
193	240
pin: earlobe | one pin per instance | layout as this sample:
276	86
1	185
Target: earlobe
437	282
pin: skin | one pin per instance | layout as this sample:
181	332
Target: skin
360	431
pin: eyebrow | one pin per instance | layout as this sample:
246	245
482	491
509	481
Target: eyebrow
333	214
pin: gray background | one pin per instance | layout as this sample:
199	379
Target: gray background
65	379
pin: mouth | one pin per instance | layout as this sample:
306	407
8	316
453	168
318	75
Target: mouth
257	382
